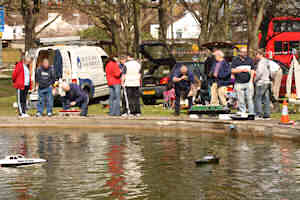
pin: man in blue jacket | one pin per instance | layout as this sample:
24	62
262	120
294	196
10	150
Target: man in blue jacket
184	83
75	96
222	75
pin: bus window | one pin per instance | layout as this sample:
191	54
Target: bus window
285	46
295	45
296	26
278	46
286	26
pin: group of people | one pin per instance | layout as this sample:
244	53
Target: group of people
45	83
255	81
125	74
254	84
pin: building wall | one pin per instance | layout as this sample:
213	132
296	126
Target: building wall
185	28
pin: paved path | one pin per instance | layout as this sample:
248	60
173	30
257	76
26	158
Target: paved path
4	76
259	128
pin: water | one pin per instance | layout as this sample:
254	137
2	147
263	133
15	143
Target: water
97	165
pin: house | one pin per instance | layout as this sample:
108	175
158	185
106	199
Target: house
64	25
186	27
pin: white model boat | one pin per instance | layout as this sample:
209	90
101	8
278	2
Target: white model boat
18	160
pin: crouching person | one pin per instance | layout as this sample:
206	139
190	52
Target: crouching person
45	78
75	96
184	84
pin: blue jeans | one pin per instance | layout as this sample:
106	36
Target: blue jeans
114	100
262	96
245	93
45	94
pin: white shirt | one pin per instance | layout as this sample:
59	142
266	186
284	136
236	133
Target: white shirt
26	75
274	67
132	74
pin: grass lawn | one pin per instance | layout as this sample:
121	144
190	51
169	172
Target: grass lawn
7	98
6	88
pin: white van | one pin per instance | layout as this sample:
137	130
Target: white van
83	65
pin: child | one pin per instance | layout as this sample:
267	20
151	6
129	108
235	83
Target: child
169	98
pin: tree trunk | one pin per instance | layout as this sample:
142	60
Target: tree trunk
254	19
137	28
116	38
29	31
163	21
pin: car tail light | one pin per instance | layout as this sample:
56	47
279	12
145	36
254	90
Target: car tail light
74	81
164	81
229	89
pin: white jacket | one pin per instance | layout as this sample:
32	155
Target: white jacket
132	74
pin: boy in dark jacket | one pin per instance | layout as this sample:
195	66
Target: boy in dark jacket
222	74
75	96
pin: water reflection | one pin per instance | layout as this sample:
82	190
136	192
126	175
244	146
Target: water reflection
95	165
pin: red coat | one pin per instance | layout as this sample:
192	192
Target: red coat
113	73
18	76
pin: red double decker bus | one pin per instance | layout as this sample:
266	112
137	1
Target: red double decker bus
282	39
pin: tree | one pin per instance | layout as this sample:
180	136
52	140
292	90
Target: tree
31	12
213	16
122	19
254	12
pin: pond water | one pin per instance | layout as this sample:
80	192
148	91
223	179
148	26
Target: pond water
99	165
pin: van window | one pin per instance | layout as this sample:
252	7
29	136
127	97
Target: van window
69	54
104	61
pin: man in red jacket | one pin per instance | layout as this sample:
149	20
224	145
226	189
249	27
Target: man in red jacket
113	76
21	78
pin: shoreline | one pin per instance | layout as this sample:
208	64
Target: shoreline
258	128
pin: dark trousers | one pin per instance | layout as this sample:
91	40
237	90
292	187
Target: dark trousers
84	107
21	100
133	96
181	92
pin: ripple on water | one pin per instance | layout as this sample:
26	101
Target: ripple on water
95	165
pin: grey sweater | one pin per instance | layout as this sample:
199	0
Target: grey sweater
262	72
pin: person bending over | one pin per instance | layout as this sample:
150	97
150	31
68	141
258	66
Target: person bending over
75	96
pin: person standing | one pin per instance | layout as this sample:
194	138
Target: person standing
242	67
209	65
276	73
113	76
222	74
131	80
75	96
45	78
262	82
184	83
21	78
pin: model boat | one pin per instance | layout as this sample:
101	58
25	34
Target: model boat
208	160
18	160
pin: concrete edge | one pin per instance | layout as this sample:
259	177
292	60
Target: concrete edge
164	124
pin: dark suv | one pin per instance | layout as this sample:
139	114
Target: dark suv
157	71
